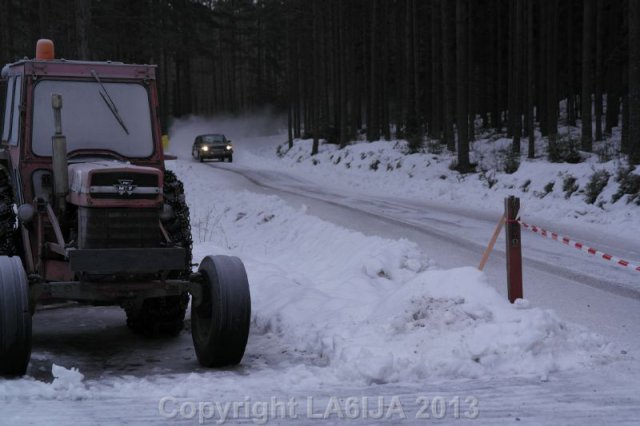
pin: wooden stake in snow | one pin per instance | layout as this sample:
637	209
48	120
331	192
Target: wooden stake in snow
489	249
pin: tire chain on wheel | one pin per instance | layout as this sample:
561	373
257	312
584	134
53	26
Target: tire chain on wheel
165	315
179	229
7	216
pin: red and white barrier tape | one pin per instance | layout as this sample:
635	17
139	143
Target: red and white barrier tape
579	246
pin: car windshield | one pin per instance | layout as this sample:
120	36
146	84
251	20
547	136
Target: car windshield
213	139
89	122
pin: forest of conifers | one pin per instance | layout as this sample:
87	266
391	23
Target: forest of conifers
342	69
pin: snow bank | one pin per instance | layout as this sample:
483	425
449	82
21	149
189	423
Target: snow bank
373	310
67	384
383	167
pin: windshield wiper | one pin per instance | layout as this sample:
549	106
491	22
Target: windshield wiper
110	104
106	153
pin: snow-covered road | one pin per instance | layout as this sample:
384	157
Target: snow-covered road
359	299
555	275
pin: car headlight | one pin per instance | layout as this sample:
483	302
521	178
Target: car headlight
229	147
205	148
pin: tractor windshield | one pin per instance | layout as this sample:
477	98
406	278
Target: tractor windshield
89	122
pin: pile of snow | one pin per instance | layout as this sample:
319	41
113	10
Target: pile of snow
370	310
68	384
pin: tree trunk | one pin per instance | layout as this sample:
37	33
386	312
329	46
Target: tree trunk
542	103
290	86
571	91
435	129
530	79
500	68
373	128
587	76
471	75
381	60
598	67
633	138
462	117
551	66
613	73
448	68
515	73
342	43
316	79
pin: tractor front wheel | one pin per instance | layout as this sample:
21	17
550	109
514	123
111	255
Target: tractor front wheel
220	321
15	318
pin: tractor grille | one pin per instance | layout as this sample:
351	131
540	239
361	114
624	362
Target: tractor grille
112	180
117	228
140	179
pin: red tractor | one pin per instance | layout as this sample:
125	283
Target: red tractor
88	212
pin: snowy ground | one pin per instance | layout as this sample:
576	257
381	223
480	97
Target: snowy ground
362	296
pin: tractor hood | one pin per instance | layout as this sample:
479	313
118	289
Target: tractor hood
107	183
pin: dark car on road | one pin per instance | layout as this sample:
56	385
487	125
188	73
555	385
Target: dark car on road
212	146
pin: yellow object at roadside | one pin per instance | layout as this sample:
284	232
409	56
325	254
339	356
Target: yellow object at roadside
165	142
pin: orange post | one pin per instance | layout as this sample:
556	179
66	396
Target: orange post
513	248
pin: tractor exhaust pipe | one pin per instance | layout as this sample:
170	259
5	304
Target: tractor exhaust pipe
59	156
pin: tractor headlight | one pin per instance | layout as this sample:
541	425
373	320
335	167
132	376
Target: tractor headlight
229	147
205	148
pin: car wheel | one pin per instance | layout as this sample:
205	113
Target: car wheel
230	158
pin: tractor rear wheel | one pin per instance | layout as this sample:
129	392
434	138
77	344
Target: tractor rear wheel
7	216
15	318
164	316
220	322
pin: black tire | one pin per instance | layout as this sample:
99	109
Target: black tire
230	158
15	318
7	216
221	321
164	316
